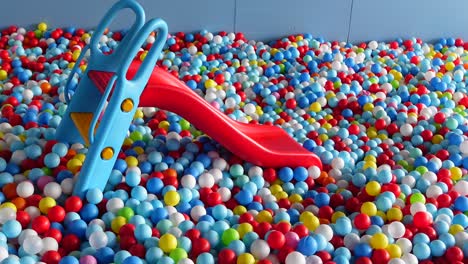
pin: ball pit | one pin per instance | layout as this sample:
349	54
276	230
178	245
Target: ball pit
388	121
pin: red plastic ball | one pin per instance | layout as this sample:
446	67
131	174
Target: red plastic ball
199	246
227	256
56	214
73	204
276	239
422	219
24	218
365	260
51	257
439	117
454	254
55	234
73	243
291	103
362	221
137	250
40	224
380	256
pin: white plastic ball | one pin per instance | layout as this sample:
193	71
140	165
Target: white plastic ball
225	194
197	212
406	130
434	191
461	187
337	163
32	211
464	147
49	243
25	189
176	218
53	190
417	207
396	229
3	253
114	205
67	186
7	213
98	239
314	172
295	258
206	180
405	244
260	249
409	258
325	230
33	245
185	261
24	234
351	240
313	260
188	181
396	261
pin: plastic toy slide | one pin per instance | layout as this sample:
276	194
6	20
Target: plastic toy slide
112	87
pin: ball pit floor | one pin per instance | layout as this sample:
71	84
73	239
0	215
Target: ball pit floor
388	121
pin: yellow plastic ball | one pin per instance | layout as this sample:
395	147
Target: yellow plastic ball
315	107
454	229
379	241
373	188
172	198
246	258
42	26
309	220
210	84
436	139
167	242
243	229
240	209
449	66
281	195
138	114
117	223
46	203
3	75
337	215
164	125
80	156
369	208
456	173
394	251
275	188
76	55
131	161
295	198
264	216
9	205
394	214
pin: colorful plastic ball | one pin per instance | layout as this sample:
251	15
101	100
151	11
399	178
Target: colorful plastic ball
94	195
132	260
276	239
295	258
422	251
260	249
11	228
171	198
229	235
379	241
98	239
422	219
307	246
168	242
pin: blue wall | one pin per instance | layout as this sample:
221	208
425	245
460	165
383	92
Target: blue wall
345	20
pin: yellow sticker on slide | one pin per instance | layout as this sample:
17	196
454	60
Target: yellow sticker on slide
83	122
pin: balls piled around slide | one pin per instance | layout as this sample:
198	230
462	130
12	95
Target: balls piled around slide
388	121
